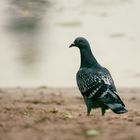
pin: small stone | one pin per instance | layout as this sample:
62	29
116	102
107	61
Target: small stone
67	115
54	111
138	123
91	133
130	119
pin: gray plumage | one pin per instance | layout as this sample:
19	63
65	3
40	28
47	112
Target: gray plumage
95	82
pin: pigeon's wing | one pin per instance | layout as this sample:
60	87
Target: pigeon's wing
86	81
97	85
91	82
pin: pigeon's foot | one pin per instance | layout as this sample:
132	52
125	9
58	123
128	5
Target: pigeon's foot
103	110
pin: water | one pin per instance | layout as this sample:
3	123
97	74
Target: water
35	35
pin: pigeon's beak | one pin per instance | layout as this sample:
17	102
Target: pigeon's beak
72	45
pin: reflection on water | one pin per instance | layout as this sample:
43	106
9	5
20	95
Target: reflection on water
35	43
26	15
25	18
29	54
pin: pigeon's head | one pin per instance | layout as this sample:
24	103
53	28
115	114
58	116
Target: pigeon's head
80	42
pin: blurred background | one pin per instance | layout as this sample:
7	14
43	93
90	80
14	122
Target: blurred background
35	36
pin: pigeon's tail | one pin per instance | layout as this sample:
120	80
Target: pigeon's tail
117	108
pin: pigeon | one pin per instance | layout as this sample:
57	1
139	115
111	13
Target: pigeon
95	82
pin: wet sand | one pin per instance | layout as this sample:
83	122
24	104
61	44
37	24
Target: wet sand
59	114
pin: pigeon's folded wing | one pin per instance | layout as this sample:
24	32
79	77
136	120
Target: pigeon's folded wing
98	85
92	83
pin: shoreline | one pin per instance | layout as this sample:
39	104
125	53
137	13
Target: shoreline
51	113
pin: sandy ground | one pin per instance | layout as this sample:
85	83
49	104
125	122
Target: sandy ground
59	114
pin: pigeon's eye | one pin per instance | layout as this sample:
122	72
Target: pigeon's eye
80	41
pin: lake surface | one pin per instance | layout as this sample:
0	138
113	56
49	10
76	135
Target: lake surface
35	35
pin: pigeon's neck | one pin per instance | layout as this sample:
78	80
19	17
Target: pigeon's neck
87	58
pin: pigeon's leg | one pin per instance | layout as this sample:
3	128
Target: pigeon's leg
103	111
89	105
88	110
